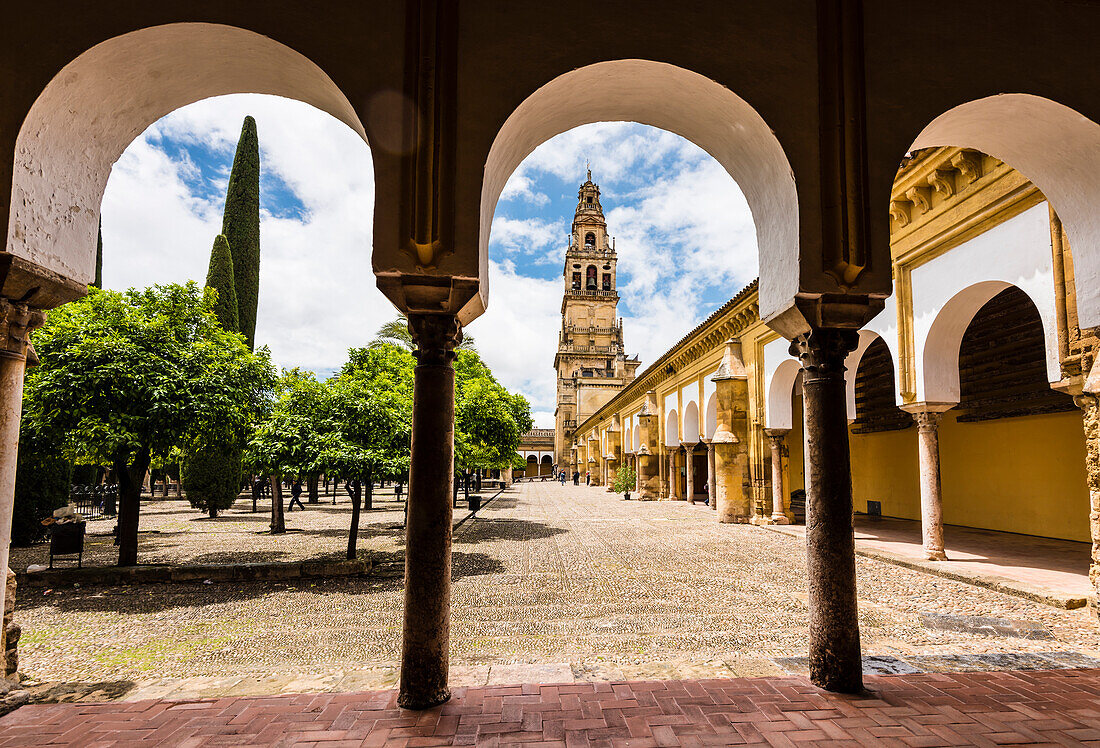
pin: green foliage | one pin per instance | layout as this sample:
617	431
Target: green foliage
489	420
212	476
288	439
131	377
625	479
220	278
241	227
42	478
148	369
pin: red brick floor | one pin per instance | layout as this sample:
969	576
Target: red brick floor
1036	707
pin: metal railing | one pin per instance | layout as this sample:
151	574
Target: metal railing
94	502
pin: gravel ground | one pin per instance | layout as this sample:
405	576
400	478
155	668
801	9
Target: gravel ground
545	574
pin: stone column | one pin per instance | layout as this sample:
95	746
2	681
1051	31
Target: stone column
649	468
595	460
927	416
16	322
689	473
835	661
426	629
777	442
733	484
710	476
1089	403
672	477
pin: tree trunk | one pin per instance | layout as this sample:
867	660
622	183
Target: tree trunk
129	505
257	486
278	524
353	534
311	483
213	511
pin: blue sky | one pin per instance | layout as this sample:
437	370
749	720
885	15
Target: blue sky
684	234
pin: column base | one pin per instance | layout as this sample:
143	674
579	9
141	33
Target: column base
935	555
425	701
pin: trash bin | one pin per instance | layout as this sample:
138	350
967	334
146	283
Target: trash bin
67	539
475	502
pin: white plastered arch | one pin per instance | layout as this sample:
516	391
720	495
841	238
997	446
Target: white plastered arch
780	373
100	102
711	420
680	101
851	367
949	290
672	429
691	423
1055	147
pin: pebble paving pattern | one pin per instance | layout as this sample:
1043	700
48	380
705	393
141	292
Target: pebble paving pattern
544	575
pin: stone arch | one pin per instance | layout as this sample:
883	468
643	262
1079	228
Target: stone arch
939	360
637	439
101	101
680	101
710	424
672	429
1055	147
691	423
780	393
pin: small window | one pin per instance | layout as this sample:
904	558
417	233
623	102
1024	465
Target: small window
588	199
590	239
590	279
606	282
576	281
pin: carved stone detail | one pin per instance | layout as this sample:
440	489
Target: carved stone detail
969	164
436	336
920	197
899	211
942	181
16	323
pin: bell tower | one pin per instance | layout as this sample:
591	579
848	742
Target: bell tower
591	362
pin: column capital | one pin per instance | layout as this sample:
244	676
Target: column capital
17	320
776	433
436	336
822	351
927	414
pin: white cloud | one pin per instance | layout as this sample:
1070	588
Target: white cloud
317	289
517	336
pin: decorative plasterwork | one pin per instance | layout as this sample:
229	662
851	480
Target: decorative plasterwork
899	211
969	164
943	182
920	197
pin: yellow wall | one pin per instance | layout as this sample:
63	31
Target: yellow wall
885	468
796	464
1024	475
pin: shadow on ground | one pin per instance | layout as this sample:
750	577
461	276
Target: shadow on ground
491	528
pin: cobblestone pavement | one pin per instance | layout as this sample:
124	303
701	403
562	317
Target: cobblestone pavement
551	583
1042	708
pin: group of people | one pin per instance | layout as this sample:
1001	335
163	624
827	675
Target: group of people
564	476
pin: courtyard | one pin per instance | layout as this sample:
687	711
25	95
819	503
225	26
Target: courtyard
552	584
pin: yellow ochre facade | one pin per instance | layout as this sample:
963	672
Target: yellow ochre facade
964	395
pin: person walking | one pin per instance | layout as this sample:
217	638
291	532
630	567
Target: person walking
576	477
296	496
561	477
588	479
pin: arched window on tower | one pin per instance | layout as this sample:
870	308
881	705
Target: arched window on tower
606	281
590	279
589	239
576	281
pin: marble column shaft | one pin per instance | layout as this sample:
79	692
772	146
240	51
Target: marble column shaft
689	473
834	650
16	323
777	442
710	476
931	498
426	627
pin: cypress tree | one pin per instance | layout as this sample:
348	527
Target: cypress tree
98	282
241	226
220	278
